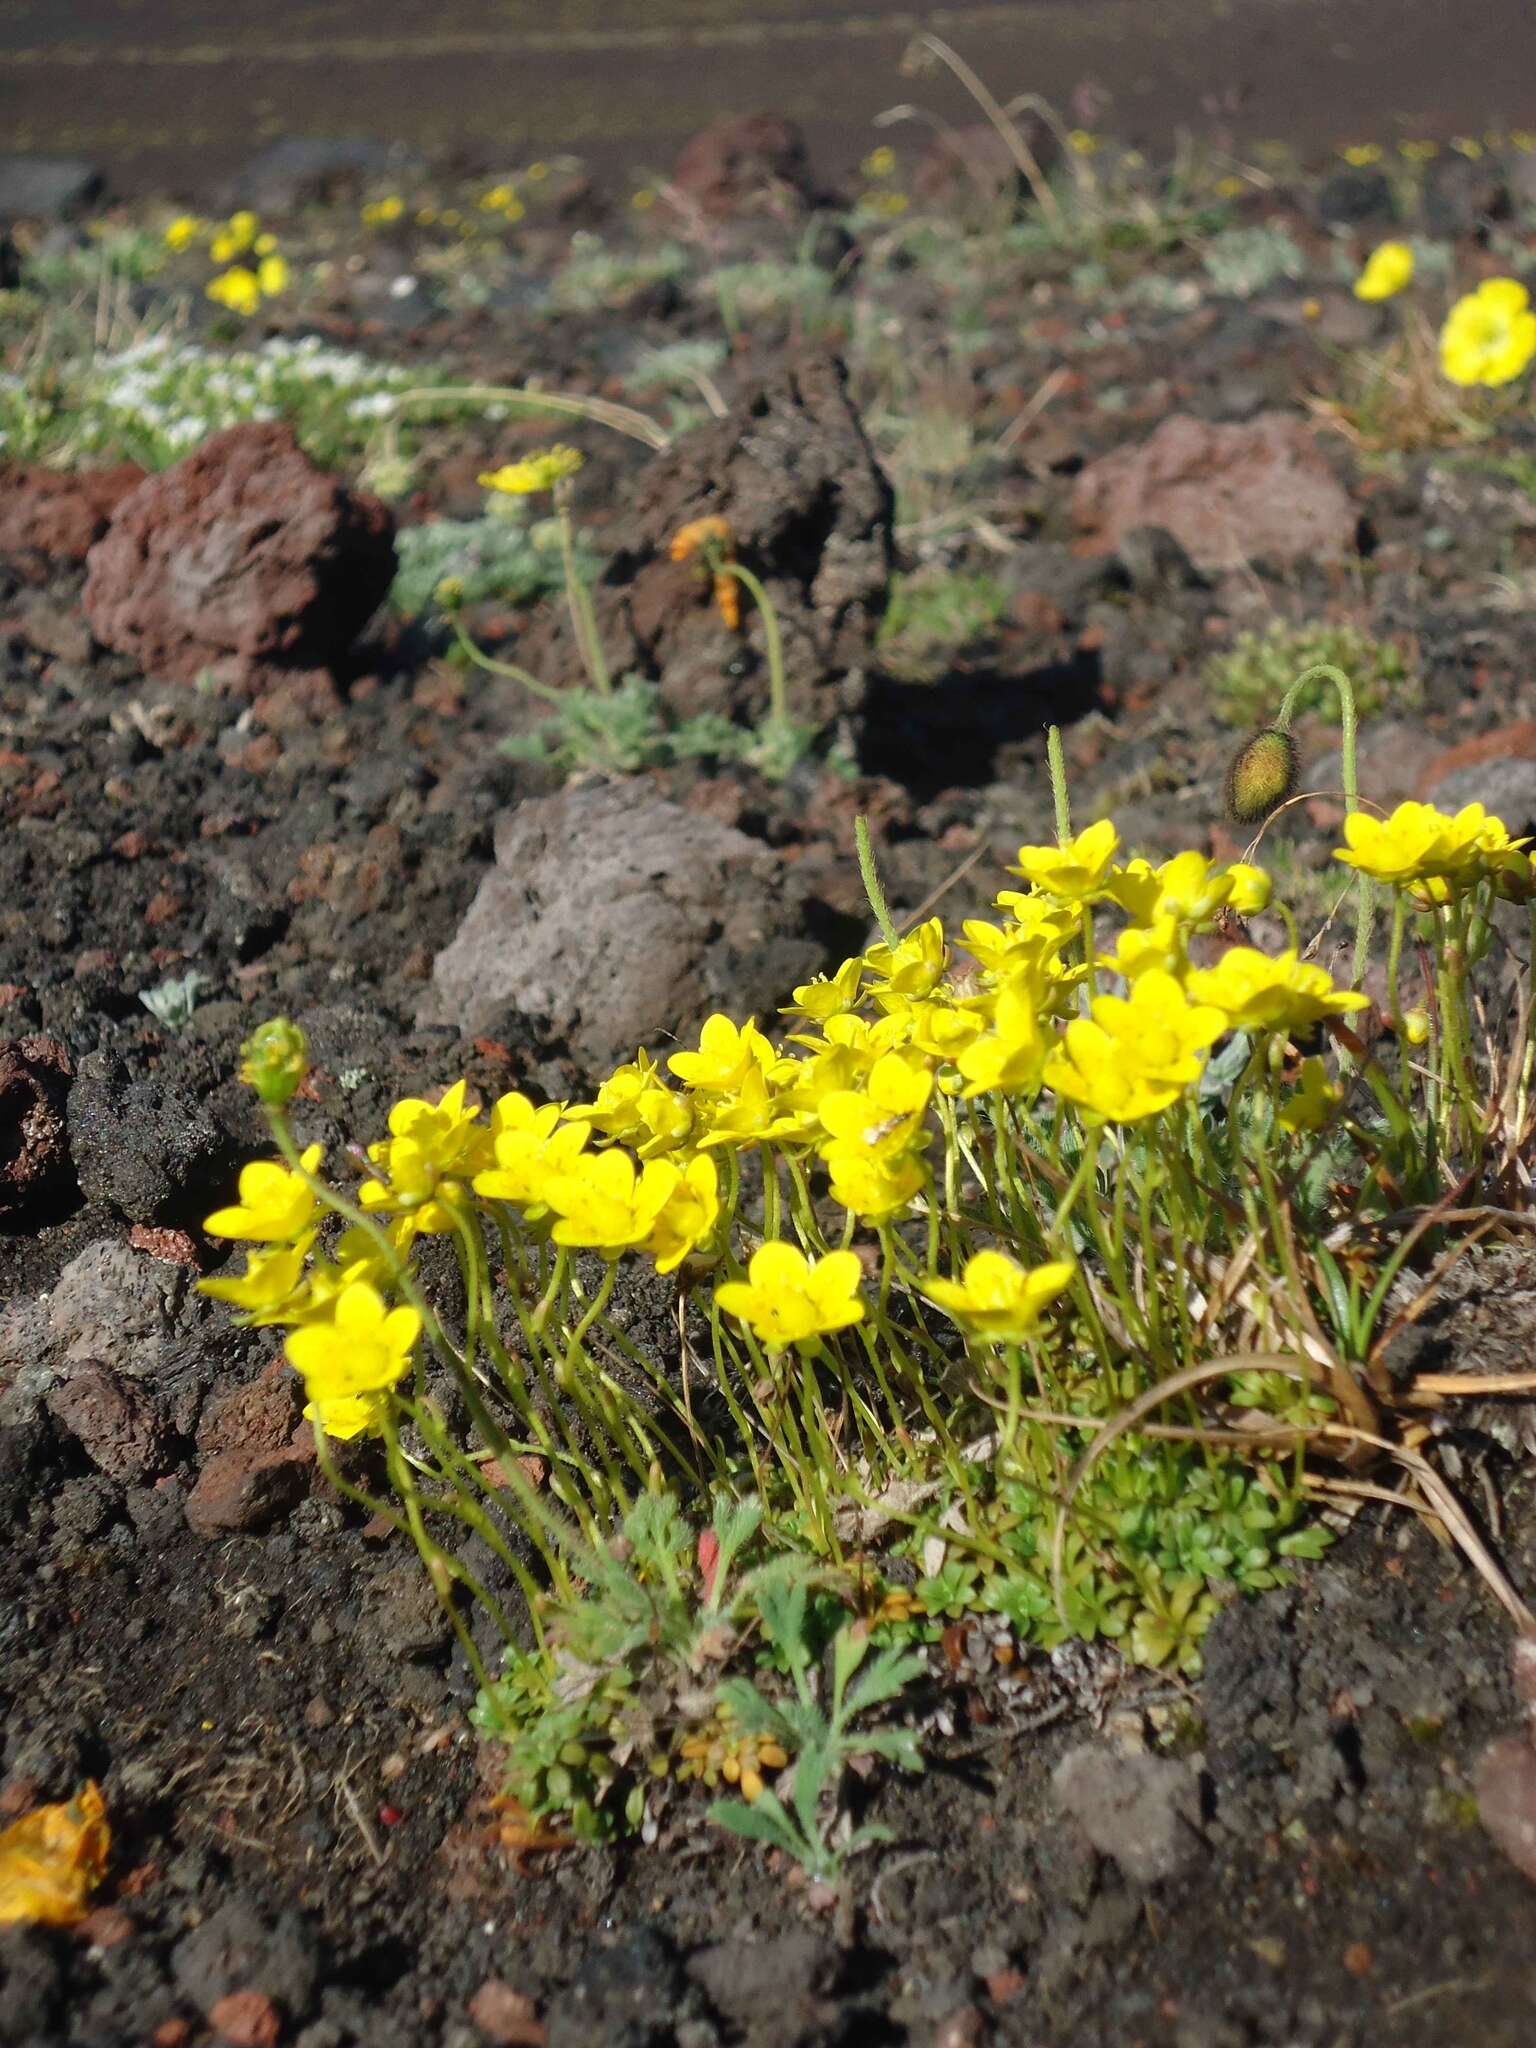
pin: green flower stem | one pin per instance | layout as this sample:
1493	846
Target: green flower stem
869	874
773	641
583	619
738	1415
509	669
441	1569
1350	755
770	1191
1057	765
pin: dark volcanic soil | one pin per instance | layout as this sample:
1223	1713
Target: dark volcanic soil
264	1687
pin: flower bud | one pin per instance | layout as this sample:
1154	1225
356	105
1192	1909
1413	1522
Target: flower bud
449	593
274	1061
1262	775
1416	1026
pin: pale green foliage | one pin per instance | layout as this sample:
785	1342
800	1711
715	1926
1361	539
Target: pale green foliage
1242	262
503	556
1248	680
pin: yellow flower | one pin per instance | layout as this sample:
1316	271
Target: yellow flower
1010	1056
272	275
350	1361
1426	852
184	230
235	237
238	289
1418	151
1388	268
914	967
538	472
1251	888
531	1147
726	1055
1134	1056
829	995
748	1115
868	1182
431	1150
997	1297
688	1216
1076	872
1158	944
275	1205
1083	142
1490	335
883	1115
1260	994
879	163
604	1203
379	213
789	1299
1314	1102
499	196
643	198
1361	153
267	1286
1467	146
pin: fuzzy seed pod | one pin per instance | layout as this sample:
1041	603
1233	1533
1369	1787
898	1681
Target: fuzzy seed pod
1262	775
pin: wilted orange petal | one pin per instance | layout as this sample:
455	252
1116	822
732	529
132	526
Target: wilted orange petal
52	1858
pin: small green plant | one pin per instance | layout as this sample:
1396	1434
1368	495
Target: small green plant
1243	262
823	1740
932	614
594	277
1256	670
173	1001
502	556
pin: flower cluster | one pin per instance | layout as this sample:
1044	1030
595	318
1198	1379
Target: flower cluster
880	1058
1434	857
540	471
255	268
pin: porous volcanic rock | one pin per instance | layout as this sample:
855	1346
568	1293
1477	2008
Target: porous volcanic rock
742	162
789	468
618	919
242	560
52	517
1256	491
34	1151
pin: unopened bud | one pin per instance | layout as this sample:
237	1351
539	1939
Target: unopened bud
274	1061
1262	775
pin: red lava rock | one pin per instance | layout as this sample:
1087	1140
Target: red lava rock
34	1151
115	1423
1505	1785
242	559
174	1246
107	1927
505	2016
243	1492
53	516
1516	742
1230	494
1359	1959
246	2019
260	1416
742	161
1004	1985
